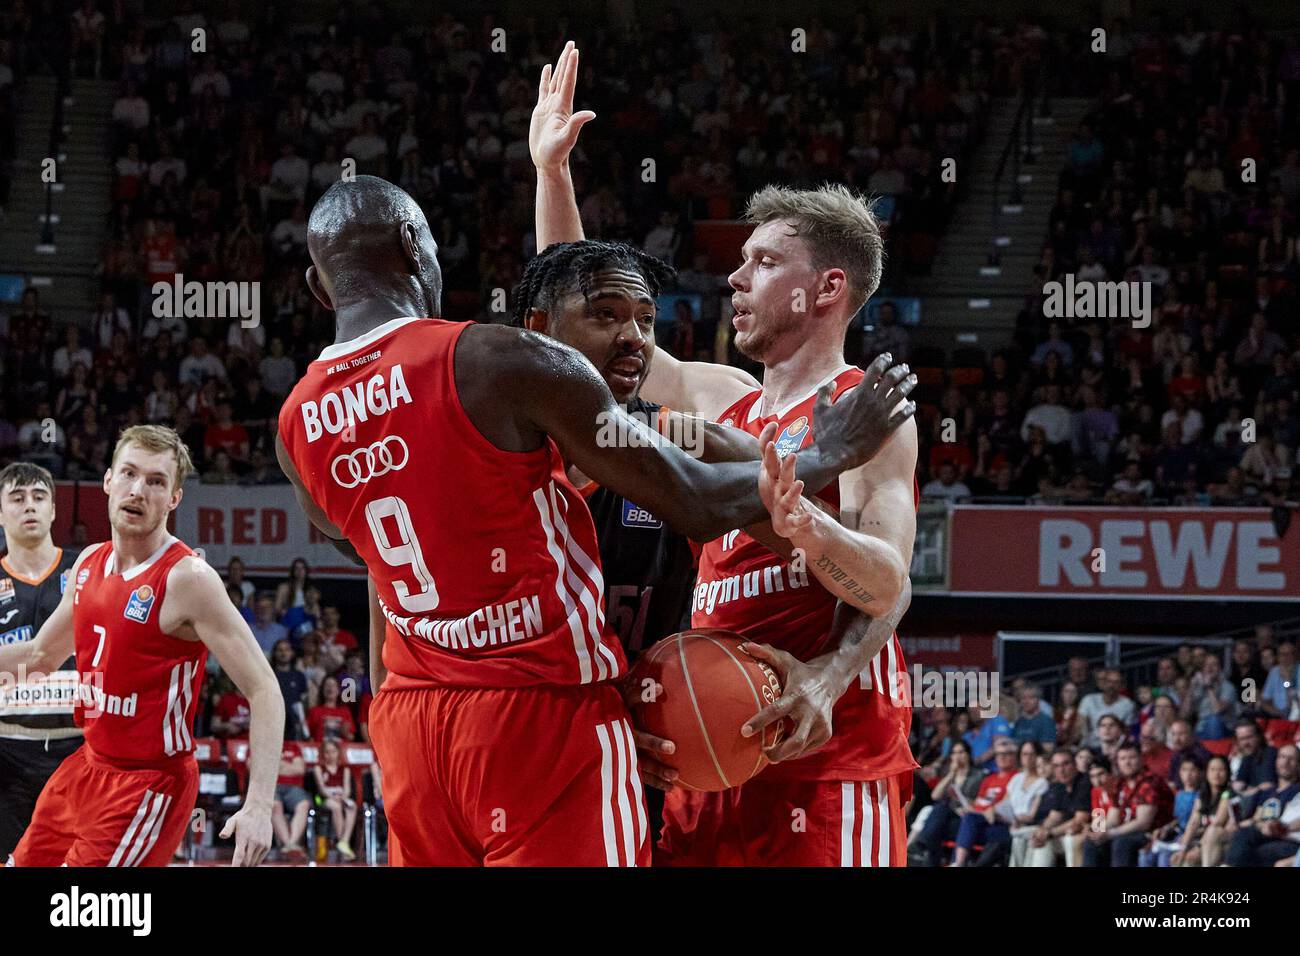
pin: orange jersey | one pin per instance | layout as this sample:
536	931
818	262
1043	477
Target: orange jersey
485	561
139	687
745	588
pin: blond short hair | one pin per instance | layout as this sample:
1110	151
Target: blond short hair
157	438
840	227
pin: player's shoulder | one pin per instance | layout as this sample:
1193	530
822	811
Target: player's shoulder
522	357
191	576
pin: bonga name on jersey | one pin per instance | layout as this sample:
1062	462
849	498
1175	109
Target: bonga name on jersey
487	627
768	580
336	410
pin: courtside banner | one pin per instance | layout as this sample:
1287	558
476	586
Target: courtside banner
263	525
1133	553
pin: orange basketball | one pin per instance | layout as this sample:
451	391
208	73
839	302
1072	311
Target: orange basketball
704	689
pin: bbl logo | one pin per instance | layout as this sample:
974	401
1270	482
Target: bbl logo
140	604
63	581
637	517
790	439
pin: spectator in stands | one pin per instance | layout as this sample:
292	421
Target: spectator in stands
947	487
293	688
1050	415
1273	832
1281	695
1081	675
1183	745
331	718
267	631
1143	804
1156	757
1254	764
950	797
1106	700
335	642
200	364
303	618
1213	806
1069	726
1065	810
291	801
1111	734
887	336
1211	701
1025	794
1168	839
983	735
235	577
232	713
292	592
1035	722
312	665
237	599
334	784
985	821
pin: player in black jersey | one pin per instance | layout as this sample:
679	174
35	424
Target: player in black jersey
598	297
36	727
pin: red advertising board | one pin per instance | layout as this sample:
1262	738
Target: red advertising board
1162	553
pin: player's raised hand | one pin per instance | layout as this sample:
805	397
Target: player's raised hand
554	127
782	493
252	831
857	426
808	694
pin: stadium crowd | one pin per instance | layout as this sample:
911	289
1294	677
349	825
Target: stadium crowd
1195	767
219	155
1186	176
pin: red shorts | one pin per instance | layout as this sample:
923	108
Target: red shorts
533	776
786	823
92	813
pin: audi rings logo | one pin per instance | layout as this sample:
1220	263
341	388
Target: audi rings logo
370	462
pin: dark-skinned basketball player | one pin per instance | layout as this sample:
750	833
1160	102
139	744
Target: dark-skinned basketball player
811	263
438	451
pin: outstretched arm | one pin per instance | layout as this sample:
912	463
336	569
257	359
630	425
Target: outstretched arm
53	644
197	608
551	137
697	499
701	388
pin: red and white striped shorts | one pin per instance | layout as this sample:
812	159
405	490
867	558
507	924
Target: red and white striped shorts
786	823
532	776
93	813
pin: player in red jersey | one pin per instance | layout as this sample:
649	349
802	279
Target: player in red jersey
141	613
845	770
431	451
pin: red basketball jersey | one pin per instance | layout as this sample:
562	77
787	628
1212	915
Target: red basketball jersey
745	588
138	686
485	561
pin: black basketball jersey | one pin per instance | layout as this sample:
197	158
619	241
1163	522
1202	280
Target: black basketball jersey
649	569
25	604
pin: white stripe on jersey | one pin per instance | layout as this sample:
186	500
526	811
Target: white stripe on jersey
607	796
169	715
590	596
148	828
570	609
183	708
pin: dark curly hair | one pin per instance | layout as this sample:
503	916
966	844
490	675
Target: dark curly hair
568	265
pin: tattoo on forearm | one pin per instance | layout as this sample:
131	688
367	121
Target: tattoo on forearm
843	580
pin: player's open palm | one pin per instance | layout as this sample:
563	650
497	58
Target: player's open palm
782	493
555	127
857	426
808	696
252	831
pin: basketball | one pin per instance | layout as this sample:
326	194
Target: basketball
704	689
